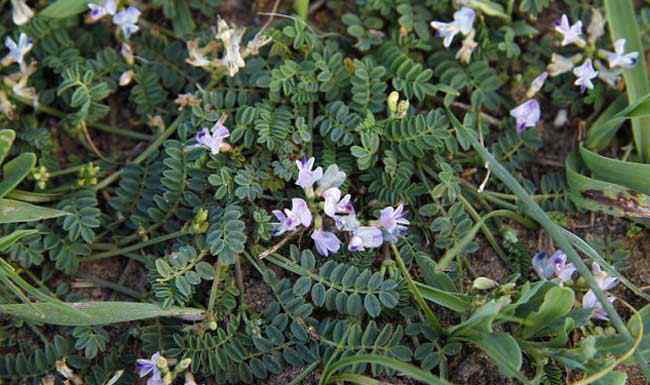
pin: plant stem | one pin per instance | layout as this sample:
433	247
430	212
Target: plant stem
214	289
144	155
135	247
433	320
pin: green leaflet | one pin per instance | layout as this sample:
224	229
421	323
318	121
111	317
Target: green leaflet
98	313
65	8
15	171
558	302
596	195
622	23
6	140
12	211
504	350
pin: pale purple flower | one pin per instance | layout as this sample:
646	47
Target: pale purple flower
584	74
393	222
571	34
537	84
145	367
554	266
17	51
332	177
291	219
365	237
347	222
463	23
213	139
589	301
306	176
127	21
526	114
326	242
334	204
619	58
105	8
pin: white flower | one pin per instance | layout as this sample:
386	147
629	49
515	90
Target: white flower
127	21
571	34
197	56
619	58
97	11
332	177
537	84
526	114
463	23
559	65
611	77
334	204
21	12
17	51
231	38
596	28
584	74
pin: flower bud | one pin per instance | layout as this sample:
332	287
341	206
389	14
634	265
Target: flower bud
483	283
21	12
127	54
126	78
184	364
402	108
393	98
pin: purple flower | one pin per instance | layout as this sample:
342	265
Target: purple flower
554	266
619	58
17	51
306	176
526	115
213	140
537	84
145	367
589	301
335	204
127	20
570	33
332	177
584	74
107	7
326	242
365	237
291	219
347	222
393	222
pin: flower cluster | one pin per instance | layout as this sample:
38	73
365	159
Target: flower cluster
555	267
233	55
17	82
463	23
585	73
125	19
337	208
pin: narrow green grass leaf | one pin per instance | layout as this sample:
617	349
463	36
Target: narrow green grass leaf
597	195
629	174
98	313
405	369
12	211
621	18
452	301
14	171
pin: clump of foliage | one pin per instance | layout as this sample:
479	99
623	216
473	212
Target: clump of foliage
304	196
